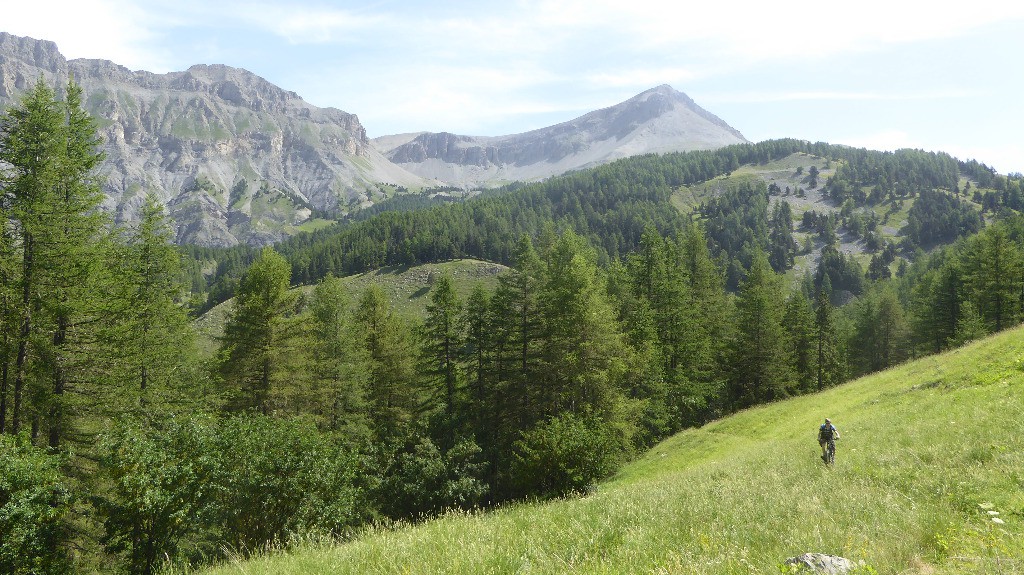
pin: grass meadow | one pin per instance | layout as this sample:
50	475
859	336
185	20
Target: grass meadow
929	479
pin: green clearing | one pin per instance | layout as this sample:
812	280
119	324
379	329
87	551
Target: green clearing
928	450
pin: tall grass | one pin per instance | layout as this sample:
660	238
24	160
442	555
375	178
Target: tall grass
928	450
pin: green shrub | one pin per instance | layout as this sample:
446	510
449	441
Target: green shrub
566	454
422	481
34	499
192	489
283	478
157	497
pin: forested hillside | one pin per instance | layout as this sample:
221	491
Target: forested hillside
623	319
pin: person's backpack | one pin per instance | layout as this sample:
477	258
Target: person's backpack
825	433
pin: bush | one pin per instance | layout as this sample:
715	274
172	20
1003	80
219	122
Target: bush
283	478
422	481
34	499
567	454
157	498
192	489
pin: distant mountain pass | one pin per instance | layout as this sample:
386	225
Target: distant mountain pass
656	121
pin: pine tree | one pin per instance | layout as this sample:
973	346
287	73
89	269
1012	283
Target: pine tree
829	353
880	330
152	339
582	348
442	338
393	399
799	322
260	337
992	266
339	364
476	356
48	149
761	360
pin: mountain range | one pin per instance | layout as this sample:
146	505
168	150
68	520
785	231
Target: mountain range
237	159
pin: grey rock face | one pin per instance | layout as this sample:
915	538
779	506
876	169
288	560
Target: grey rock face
216	126
821	563
658	120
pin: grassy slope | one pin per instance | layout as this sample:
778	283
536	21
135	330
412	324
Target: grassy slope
927	449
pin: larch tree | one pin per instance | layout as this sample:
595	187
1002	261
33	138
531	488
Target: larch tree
338	390
761	364
260	338
154	346
48	152
829	353
992	267
391	394
442	337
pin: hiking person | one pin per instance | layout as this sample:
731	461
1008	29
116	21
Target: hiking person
827	434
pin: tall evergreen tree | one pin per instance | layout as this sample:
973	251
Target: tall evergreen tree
442	339
799	321
154	346
337	391
761	361
392	396
880	330
993	267
260	337
515	325
476	356
582	349
829	352
48	150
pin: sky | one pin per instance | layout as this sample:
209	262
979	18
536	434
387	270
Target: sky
936	75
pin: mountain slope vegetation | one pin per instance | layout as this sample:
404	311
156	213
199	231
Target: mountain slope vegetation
927	480
623	320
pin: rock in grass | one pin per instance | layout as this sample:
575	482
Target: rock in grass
821	563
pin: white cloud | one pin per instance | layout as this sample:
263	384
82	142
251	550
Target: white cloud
825	95
117	30
310	24
757	30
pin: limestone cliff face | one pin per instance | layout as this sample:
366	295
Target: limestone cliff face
235	158
656	121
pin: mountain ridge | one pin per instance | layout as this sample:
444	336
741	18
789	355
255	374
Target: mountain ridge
657	120
192	137
237	159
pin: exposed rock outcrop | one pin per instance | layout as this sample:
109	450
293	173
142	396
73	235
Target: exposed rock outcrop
821	563
197	137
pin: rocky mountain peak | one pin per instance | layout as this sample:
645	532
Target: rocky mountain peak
655	121
42	54
233	157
